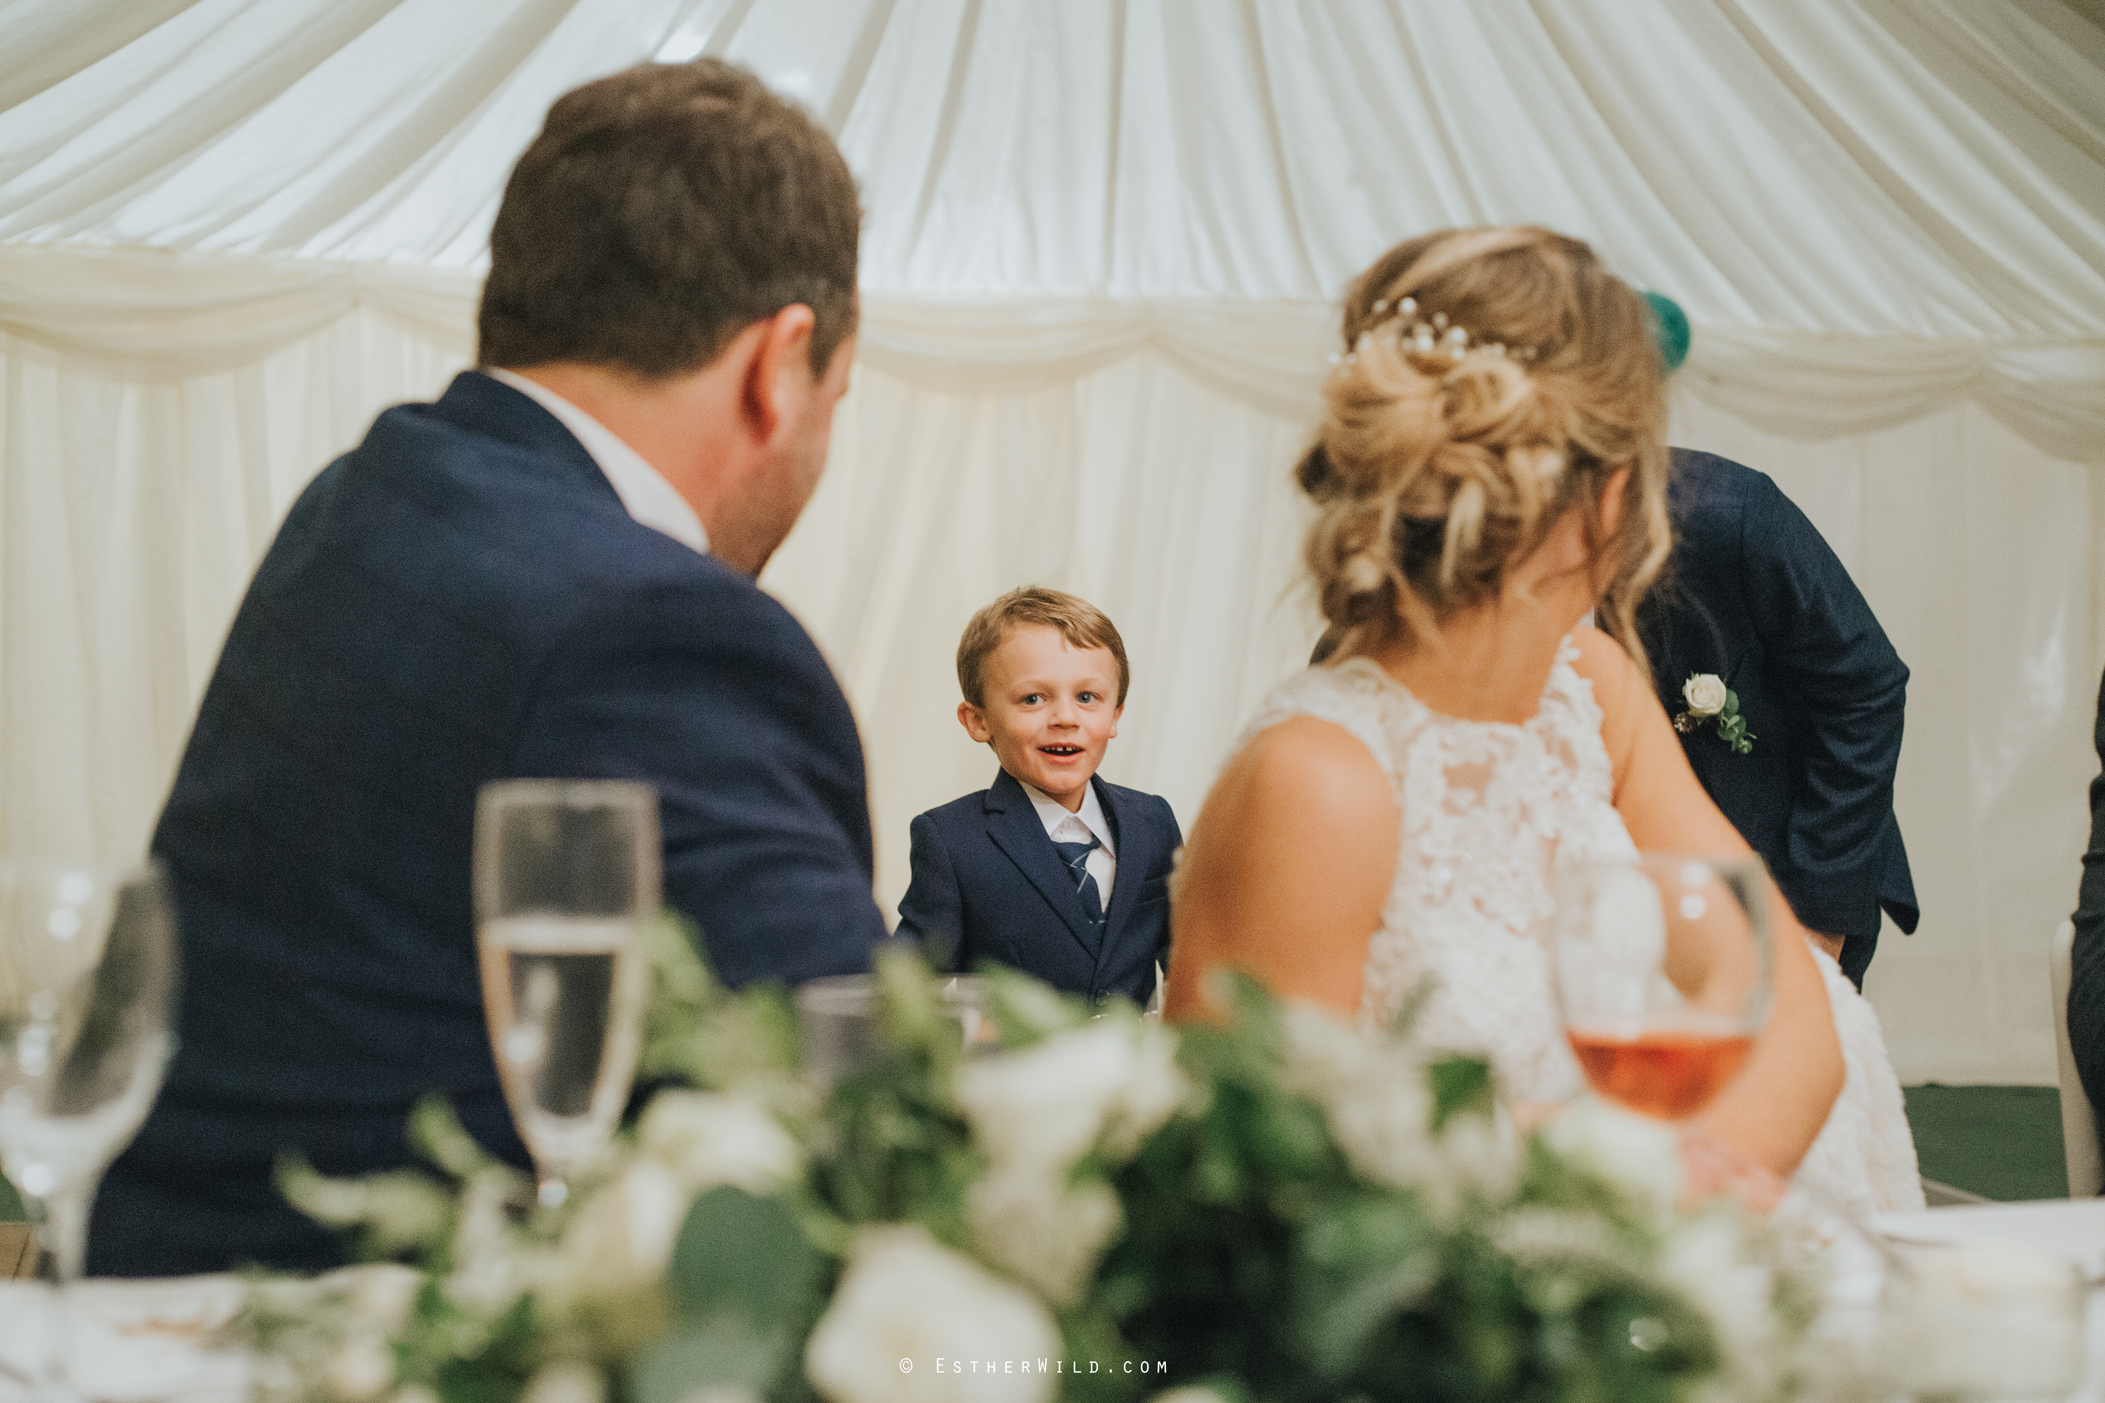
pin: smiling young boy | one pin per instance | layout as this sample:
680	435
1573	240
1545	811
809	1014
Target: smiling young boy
1051	870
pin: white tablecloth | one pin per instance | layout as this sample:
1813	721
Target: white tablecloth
126	1341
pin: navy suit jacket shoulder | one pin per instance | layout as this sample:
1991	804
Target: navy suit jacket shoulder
1755	595
989	886
459	599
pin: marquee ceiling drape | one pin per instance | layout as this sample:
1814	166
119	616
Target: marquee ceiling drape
1867	209
1103	246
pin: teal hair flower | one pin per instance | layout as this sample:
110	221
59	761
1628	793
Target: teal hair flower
1669	329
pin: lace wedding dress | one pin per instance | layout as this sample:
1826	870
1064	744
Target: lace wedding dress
1489	810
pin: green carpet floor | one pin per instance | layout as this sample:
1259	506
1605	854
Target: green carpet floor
2001	1142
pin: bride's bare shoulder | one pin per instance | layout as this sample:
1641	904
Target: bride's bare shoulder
1310	759
1286	869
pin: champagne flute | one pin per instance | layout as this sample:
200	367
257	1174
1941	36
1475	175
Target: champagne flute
566	873
1663	974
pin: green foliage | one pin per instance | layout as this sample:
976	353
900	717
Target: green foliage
698	1032
893	1146
743	1256
745	1283
1732	727
1267	1252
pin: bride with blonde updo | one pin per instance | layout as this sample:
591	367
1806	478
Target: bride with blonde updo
1490	472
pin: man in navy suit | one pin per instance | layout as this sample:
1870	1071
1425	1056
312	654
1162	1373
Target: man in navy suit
1754	598
2086	994
1051	870
549	572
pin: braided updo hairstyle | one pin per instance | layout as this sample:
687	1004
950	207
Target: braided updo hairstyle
1438	469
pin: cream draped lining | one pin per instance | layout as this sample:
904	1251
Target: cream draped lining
1102	249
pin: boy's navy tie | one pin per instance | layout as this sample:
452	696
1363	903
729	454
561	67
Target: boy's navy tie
1076	856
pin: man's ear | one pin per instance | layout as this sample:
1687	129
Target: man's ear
1116	712
975	722
778	375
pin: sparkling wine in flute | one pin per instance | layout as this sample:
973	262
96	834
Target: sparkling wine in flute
559	992
566	873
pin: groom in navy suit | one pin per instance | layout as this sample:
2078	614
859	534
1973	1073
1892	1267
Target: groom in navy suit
549	572
1051	870
1754	597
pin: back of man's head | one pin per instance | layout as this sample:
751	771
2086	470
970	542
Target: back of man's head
661	211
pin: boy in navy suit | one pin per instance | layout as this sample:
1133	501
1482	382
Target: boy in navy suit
1050	871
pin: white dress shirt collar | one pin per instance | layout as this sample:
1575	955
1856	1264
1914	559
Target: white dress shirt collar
1055	816
644	492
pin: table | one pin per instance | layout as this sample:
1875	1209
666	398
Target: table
146	1341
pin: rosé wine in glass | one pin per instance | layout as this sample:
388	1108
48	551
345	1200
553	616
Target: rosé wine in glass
1663	975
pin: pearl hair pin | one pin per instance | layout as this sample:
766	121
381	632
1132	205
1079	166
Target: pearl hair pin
1426	338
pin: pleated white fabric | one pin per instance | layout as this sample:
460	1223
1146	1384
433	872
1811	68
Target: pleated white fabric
1103	247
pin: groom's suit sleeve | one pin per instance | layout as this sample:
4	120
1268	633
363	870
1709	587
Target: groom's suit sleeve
1835	667
713	693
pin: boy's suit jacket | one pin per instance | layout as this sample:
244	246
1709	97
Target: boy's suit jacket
460	598
1754	595
988	885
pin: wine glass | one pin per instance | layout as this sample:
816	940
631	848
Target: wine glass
566	874
839	1018
1663	975
88	967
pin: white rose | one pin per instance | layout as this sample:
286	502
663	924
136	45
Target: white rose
1156	1090
566	1381
1043	1107
382	1293
1373	1093
622	1238
1640	1155
1705	694
1706	1259
1044	1233
709	1140
360	1370
905	1297
487	1274
1481	1158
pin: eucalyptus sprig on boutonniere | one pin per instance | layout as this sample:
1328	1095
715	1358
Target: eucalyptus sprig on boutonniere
1709	698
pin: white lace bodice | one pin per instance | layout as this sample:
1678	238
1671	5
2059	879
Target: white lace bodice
1489	809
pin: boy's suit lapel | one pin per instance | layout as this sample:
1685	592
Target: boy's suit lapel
1013	825
1128	841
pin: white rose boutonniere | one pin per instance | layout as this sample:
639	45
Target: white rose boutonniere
1705	694
1708	698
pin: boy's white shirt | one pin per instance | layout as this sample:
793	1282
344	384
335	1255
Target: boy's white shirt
645	494
1064	827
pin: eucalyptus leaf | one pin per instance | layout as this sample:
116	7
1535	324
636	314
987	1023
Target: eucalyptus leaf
744	1256
717	1353
1460	1086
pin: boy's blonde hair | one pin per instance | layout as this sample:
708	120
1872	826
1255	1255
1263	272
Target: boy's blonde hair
1438	468
1080	623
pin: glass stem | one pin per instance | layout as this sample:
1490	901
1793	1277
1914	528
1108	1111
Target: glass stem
62	1235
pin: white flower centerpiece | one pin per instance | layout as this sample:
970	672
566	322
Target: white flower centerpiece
1277	1206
